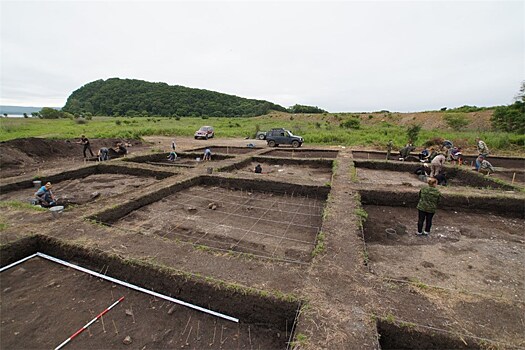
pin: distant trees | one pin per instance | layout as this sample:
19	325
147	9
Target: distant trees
129	97
305	109
51	113
511	118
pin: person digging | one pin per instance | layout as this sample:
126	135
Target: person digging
45	197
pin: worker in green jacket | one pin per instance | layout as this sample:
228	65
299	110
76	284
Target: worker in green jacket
428	201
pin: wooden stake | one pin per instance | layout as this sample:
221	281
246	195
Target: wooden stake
103	327
513	178
114	325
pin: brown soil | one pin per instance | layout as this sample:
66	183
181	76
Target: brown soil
253	252
42	295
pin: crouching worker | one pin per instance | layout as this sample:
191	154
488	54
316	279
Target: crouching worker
103	154
44	197
172	156
485	166
258	169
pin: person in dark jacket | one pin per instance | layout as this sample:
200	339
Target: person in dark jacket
258	169
84	141
427	206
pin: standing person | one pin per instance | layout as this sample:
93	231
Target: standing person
207	154
173	145
389	149
87	146
437	164
427	206
45	197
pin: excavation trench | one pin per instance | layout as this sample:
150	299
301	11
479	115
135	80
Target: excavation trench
268	317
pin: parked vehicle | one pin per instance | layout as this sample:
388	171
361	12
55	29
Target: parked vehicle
261	135
276	137
205	132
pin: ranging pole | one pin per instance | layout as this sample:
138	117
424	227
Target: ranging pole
88	324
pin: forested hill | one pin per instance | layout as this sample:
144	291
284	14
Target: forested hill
137	97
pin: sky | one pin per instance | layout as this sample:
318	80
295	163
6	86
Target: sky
344	56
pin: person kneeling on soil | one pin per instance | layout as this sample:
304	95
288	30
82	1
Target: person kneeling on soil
422	172
121	149
405	151
172	156
441	178
485	166
207	154
44	197
103	154
258	169
423	156
427	206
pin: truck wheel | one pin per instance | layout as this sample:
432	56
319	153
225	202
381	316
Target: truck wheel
295	144
261	137
271	143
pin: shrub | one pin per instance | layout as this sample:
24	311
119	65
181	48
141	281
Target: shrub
352	123
413	132
456	121
118	122
80	121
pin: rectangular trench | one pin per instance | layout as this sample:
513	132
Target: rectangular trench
266	319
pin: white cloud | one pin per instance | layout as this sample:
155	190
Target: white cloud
340	56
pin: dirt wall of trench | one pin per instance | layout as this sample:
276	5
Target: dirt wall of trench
247	307
86	171
506	206
319	163
159	157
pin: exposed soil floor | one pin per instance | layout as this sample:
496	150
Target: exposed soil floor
289	172
263	224
294	153
85	190
43	303
475	251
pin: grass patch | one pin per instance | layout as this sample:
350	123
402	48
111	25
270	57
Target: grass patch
21	205
320	246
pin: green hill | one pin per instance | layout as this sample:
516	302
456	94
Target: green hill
132	97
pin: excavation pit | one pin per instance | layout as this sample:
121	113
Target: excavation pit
392	337
315	171
302	153
464	247
403	174
266	219
225	150
87	184
39	294
184	160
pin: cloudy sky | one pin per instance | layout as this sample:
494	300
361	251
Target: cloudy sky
340	56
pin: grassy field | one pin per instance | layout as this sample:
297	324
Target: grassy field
316	129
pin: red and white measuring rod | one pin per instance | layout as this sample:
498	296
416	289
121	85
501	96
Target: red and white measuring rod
88	324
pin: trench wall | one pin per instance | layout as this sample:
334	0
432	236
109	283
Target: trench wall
319	163
467	177
84	172
159	157
506	206
248	307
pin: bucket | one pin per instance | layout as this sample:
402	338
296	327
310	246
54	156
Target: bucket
209	170
37	184
198	159
56	211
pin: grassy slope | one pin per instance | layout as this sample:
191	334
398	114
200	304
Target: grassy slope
376	128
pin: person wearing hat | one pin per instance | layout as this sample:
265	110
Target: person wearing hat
45	197
87	146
